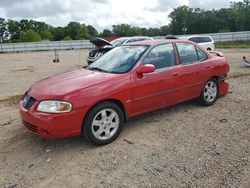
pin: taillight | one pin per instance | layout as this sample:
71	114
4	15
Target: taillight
223	77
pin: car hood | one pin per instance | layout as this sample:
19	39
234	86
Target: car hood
100	42
56	87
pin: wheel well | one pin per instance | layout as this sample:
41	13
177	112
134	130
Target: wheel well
117	102
120	104
216	78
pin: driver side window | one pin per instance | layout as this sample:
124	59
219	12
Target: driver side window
161	56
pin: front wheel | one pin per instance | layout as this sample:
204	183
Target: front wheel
103	123
209	93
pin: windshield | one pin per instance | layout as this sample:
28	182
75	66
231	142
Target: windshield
119	60
118	42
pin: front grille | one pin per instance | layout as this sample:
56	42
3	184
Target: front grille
28	101
33	128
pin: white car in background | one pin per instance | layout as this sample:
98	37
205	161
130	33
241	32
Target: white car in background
204	41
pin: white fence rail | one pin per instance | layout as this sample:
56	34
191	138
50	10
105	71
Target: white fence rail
85	44
45	45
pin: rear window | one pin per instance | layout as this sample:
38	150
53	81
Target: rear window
193	39
200	39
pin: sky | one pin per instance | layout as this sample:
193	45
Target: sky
101	13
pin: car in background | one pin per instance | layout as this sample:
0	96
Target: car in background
129	80
204	41
103	46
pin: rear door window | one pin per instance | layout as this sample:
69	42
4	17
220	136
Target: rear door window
187	53
201	55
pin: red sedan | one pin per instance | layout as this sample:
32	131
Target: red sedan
128	81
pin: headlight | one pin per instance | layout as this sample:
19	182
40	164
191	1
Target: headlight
99	54
51	106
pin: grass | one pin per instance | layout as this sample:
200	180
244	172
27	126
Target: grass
233	44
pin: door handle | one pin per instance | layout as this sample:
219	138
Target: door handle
208	67
175	74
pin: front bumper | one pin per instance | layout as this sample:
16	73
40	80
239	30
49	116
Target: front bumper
93	59
51	125
90	60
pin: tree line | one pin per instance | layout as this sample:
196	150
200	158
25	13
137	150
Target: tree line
183	20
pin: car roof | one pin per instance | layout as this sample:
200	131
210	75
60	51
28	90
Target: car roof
134	37
154	42
195	36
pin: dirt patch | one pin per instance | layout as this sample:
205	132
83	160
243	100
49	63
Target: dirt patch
6	123
13	100
21	70
238	75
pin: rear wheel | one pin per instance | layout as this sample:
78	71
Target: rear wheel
103	123
209	93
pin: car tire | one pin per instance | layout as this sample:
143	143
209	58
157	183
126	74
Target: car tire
210	92
103	123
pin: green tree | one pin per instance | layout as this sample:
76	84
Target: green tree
67	38
46	35
14	30
165	30
82	33
3	30
58	33
180	18
77	31
73	29
106	33
39	27
29	36
154	32
121	30
92	31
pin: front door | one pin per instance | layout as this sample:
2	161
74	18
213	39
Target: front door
158	89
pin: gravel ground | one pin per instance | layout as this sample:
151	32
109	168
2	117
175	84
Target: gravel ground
183	146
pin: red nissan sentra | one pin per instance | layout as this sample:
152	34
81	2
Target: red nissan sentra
127	81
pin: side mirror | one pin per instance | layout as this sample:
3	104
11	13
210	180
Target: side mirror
143	69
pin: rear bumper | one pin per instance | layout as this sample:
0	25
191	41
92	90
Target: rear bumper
223	88
51	125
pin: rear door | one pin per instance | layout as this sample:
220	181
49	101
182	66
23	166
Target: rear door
158	89
194	69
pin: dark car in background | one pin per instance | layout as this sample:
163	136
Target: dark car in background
103	46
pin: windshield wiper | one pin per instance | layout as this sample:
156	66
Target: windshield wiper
96	68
